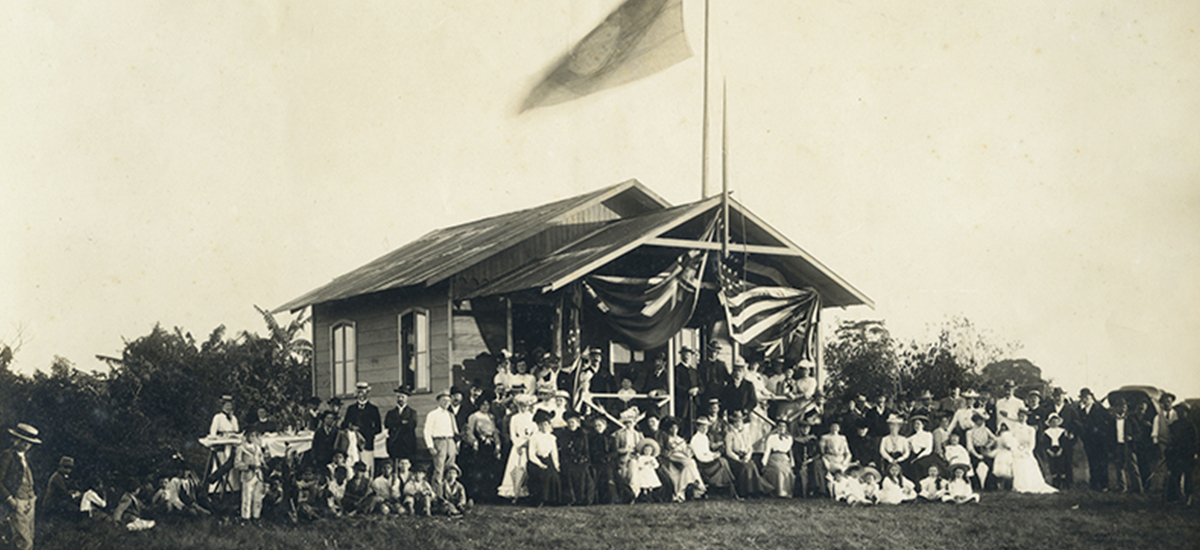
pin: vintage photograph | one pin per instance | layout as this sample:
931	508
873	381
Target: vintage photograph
563	274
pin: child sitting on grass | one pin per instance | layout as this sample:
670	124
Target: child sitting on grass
933	487
454	501
335	491
383	487
93	501
896	488
308	493
870	485
960	491
846	486
418	495
358	498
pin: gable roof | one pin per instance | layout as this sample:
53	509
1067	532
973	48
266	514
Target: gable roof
444	252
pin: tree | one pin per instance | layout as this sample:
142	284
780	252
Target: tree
861	360
1025	374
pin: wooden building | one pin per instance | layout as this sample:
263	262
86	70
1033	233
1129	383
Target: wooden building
434	313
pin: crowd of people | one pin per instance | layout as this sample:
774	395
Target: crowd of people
542	435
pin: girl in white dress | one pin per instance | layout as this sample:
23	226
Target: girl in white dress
1002	463
645	469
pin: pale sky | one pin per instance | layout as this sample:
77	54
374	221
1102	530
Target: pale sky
1034	167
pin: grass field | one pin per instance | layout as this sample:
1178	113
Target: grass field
1065	521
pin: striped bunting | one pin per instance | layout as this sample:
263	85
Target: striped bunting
769	318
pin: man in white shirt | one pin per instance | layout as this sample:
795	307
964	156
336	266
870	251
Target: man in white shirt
440	431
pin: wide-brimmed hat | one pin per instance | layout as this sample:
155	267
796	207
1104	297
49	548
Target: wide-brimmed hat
870	471
26	432
66	462
563	394
960	466
926	395
363	386
920	417
524	399
970	393
226	397
894	419
629	414
453	467
1053	416
314	401
544	388
648	443
542	415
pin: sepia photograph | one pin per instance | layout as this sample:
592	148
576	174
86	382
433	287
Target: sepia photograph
576	274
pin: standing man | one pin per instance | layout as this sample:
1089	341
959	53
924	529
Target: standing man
16	485
440	432
324	441
1094	426
365	415
714	374
687	391
401	424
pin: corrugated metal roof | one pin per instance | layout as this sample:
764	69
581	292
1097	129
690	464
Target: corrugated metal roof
444	252
595	250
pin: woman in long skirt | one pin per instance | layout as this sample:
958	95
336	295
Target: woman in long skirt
739	450
778	462
520	429
680	464
545	486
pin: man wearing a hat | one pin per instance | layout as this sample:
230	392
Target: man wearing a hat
61	499
365	415
16	485
440	433
401	424
714	373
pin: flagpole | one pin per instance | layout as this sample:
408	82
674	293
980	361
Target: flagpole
704	192
725	171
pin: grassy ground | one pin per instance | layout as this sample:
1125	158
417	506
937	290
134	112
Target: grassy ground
1077	519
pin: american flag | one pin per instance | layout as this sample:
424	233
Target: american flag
769	318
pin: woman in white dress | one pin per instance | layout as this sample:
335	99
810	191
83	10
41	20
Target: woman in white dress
520	428
1027	475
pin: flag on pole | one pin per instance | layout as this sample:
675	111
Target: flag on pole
770	318
639	38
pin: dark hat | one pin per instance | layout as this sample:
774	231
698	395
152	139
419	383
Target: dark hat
1086	391
329	413
66	462
542	415
571	414
686	349
314	400
336	401
403	390
960	466
452	467
26	432
360	466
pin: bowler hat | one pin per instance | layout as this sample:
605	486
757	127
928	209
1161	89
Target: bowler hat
66	462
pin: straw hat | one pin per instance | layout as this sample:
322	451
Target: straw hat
894	419
870	471
648	443
629	414
26	432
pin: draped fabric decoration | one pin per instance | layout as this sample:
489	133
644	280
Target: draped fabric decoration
772	319
649	311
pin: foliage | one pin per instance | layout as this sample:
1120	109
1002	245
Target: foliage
863	358
159	396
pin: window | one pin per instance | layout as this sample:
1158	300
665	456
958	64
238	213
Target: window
414	350
345	370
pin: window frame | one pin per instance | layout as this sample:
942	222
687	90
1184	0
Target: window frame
348	382
419	369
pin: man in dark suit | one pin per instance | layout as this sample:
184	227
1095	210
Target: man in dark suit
401	424
365	415
1095	425
714	374
687	392
16	486
1057	404
1126	431
739	394
468	406
324	441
